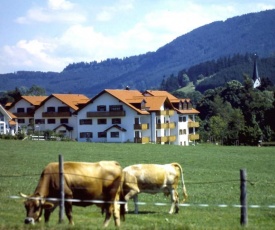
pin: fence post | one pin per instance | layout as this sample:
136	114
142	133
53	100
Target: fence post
61	186
243	201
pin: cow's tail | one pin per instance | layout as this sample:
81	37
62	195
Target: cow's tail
122	198
183	184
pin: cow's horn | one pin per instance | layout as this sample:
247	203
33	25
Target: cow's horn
23	195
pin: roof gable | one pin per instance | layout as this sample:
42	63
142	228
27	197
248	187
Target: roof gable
33	100
74	101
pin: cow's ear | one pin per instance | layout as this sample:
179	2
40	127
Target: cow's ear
48	205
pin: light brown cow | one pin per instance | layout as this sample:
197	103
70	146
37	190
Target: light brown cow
153	178
83	181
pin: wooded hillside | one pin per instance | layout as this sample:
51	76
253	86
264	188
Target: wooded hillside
250	33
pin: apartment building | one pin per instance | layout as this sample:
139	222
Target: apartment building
131	116
113	115
8	122
57	113
24	110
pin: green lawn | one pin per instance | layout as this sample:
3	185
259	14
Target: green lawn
211	175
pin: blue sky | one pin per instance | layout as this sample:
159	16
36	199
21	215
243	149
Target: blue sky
47	35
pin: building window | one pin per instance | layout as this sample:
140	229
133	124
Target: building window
21	121
101	108
86	135
64	120
101	134
101	121
115	108
184	131
182	119
51	109
39	121
51	121
114	134
30	110
20	110
85	121
63	109
116	121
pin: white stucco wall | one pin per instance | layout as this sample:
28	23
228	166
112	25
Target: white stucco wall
53	102
127	121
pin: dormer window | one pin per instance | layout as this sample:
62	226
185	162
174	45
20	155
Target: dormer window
190	106
143	105
184	105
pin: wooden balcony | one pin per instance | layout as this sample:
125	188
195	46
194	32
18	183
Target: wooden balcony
166	139
106	114
56	114
142	140
170	125
194	137
193	124
24	114
141	126
165	112
172	138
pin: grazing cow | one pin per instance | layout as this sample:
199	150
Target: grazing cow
83	181
153	178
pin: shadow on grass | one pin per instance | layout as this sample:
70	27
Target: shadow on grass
140	212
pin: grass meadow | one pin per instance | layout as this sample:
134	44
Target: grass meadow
211	175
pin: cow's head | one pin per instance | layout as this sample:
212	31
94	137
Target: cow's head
34	206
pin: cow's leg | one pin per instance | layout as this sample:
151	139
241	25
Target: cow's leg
69	210
174	201
47	213
128	196
116	213
108	214
136	203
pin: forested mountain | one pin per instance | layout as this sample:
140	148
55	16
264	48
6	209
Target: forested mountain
215	73
250	33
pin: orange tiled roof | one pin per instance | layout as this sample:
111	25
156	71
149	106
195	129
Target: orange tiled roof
161	93
11	114
8	104
12	122
154	103
127	96
187	111
72	100
34	100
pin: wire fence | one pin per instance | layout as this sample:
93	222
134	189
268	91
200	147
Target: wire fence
202	205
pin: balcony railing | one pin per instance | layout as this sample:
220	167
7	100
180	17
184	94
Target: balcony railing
166	139
165	112
142	140
193	124
170	125
172	138
194	137
141	126
106	114
56	114
24	114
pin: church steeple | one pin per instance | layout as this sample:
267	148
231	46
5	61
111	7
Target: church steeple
256	78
